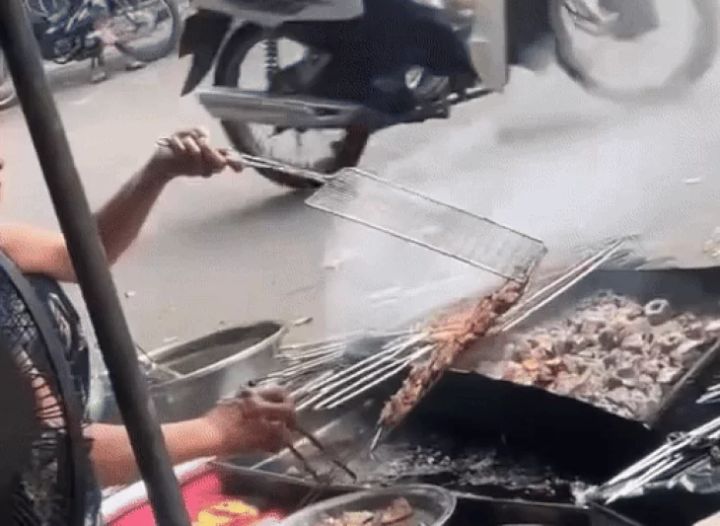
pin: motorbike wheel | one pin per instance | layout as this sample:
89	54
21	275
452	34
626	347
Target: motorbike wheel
140	20
8	96
346	151
695	63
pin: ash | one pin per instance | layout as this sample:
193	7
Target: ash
462	466
610	351
485	471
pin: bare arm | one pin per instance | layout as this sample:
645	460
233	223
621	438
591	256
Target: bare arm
113	457
38	251
257	421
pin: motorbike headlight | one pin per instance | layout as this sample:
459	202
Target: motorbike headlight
458	6
437	4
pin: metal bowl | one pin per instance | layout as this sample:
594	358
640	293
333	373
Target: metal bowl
205	370
433	506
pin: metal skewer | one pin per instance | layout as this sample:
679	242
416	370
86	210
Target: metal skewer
600	259
362	385
361	368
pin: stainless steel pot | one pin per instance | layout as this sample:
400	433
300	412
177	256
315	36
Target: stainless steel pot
206	369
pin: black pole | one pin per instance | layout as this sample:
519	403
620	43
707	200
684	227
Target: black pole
90	262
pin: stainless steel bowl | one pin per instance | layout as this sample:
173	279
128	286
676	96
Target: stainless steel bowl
205	369
433	506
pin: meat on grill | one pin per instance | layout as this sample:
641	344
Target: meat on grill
468	326
399	513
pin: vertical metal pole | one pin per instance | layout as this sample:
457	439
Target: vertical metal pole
90	262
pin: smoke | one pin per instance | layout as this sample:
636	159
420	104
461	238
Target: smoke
545	158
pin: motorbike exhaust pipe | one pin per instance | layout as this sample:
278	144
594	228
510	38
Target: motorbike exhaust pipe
278	110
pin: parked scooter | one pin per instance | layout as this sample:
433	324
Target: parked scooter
72	30
290	72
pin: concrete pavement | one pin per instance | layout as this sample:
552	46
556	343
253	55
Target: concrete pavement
543	157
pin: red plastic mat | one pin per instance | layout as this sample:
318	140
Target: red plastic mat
207	505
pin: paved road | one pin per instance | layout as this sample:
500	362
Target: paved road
544	158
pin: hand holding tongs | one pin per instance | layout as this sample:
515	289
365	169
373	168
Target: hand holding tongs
254	161
244	394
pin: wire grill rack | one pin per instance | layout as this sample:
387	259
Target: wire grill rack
364	198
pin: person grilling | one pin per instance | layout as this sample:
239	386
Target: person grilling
257	420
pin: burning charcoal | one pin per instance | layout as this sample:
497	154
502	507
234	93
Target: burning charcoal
713	328
517	351
668	375
645	380
531	365
619	396
639	325
658	311
654	392
542	342
613	382
608	339
580	341
566	383
687	353
625	373
563	346
687	318
512	371
574	366
588	353
652	368
631	312
670	341
695	331
593	323
610	360
634	343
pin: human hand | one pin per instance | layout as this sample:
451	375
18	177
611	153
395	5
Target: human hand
257	420
189	152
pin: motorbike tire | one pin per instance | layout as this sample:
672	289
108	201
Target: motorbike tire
698	61
8	96
163	48
227	73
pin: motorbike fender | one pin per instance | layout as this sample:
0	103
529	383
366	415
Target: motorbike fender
202	37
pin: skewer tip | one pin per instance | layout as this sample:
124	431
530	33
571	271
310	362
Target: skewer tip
380	433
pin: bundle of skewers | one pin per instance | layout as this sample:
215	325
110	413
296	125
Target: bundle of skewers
329	374
684	455
711	395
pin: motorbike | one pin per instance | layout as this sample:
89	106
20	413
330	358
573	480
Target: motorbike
67	30
308	81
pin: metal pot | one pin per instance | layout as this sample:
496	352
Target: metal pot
205	369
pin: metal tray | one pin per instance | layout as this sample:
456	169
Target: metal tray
432	506
266	489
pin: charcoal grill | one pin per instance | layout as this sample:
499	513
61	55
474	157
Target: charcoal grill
691	290
540	444
266	490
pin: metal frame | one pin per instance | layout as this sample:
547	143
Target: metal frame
90	262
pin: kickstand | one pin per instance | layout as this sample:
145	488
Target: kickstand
97	68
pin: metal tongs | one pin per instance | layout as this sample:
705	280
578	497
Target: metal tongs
254	161
311	438
324	450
